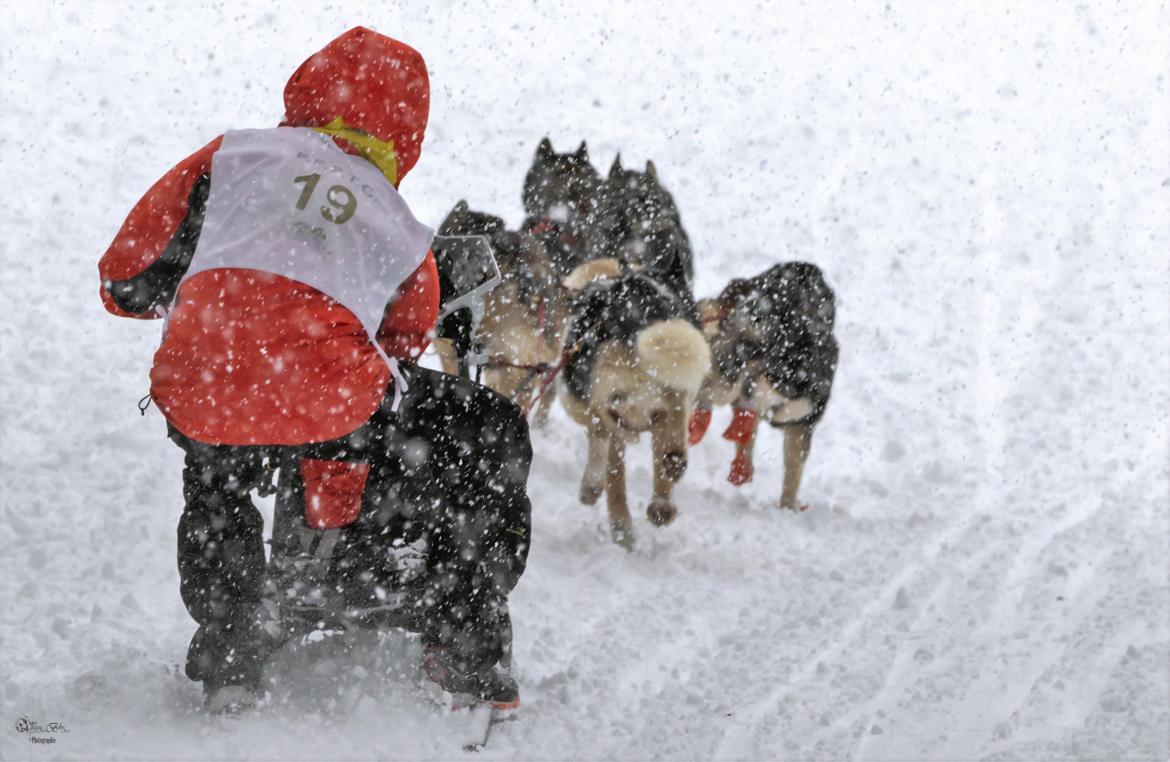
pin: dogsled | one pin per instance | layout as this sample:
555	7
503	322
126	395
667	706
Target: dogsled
381	567
337	573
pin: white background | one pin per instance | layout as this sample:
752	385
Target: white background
983	572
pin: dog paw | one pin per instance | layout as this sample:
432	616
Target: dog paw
622	535
674	465
590	493
661	513
741	470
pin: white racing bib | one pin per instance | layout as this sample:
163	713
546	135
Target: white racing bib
288	201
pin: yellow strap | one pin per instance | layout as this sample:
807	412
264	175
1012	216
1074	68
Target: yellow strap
380	153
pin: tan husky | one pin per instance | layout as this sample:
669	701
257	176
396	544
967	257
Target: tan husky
636	361
524	317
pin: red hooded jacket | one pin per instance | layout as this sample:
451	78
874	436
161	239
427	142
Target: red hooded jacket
215	377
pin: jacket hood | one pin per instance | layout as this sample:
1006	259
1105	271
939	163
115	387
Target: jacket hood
371	82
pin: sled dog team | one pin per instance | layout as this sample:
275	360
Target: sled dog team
298	291
597	307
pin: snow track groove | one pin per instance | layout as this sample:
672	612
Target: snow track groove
984	571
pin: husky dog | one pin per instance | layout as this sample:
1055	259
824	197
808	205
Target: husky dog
636	220
524	317
559	204
636	359
774	356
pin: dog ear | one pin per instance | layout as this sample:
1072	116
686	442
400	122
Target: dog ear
615	171
650	170
583	152
545	149
737	290
461	207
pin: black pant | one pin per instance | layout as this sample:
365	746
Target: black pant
450	466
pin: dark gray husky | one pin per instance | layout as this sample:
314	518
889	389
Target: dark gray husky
636	220
773	357
629	216
559	204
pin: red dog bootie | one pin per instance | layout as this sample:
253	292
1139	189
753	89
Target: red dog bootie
697	424
741	470
742	427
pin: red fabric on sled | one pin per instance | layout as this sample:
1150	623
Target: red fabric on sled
333	492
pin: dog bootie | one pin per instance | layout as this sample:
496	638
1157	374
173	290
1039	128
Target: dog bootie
742	427
741	470
697	425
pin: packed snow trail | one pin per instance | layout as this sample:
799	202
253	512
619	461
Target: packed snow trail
984	571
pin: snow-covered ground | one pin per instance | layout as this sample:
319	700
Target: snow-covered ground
984	571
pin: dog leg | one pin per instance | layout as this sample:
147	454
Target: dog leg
700	417
448	358
742	467
593	483
667	444
496	380
797	441
555	325
511	382
697	424
621	527
540	396
742	431
544	404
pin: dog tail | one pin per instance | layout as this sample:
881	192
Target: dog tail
675	353
596	269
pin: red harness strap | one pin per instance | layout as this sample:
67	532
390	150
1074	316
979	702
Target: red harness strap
717	316
549	225
549	375
499	361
